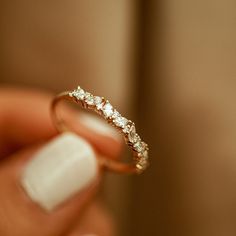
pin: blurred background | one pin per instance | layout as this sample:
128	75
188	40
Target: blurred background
170	65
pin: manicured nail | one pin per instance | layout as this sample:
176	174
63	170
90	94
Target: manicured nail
59	170
99	126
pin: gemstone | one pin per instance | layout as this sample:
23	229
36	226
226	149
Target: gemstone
100	106
97	100
132	136
144	155
107	110
89	99
79	93
126	129
120	121
139	146
116	114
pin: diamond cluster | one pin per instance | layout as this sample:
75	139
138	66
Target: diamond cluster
126	126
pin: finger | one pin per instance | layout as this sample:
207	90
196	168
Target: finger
96	221
25	119
93	128
103	136
45	194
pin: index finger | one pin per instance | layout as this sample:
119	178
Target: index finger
25	120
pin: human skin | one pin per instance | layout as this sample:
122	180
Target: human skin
25	126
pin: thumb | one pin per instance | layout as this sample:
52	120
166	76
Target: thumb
44	194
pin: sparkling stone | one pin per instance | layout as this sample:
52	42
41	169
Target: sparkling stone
100	106
107	110
89	99
115	114
121	121
126	129
79	93
139	146
132	136
97	100
144	154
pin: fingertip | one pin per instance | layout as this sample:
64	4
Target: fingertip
105	138
59	170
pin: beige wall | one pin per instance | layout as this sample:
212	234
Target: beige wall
190	70
59	44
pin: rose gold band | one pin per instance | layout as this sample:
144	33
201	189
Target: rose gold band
114	118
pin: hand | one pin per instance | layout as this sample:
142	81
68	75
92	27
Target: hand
27	205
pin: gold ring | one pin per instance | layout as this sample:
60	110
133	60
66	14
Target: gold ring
126	127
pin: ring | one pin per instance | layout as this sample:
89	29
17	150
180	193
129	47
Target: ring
126	127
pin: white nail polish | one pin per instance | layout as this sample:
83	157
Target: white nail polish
59	170
98	126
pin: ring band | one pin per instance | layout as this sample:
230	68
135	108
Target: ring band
126	127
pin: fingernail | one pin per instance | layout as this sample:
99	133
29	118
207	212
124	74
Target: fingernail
99	126
59	170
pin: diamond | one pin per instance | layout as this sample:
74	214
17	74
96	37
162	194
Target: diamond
79	93
144	154
107	110
99	106
89	99
97	100
139	146
133	136
121	121
115	114
126	129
